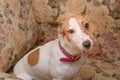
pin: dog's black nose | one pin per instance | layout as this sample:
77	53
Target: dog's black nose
87	44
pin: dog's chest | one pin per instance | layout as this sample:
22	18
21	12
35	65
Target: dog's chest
65	70
60	69
51	65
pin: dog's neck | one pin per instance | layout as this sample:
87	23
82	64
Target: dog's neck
69	57
69	51
67	46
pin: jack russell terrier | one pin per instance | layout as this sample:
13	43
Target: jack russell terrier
61	58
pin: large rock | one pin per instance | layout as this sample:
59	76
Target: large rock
18	31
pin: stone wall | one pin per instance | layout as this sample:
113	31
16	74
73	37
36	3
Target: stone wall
18	31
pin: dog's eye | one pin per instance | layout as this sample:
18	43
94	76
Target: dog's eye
85	25
71	31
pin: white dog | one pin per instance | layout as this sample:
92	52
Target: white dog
61	58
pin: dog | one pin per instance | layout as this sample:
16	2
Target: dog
61	58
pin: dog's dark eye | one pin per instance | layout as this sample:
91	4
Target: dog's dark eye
71	31
85	25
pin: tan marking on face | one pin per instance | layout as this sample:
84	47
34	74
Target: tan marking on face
82	20
33	58
65	28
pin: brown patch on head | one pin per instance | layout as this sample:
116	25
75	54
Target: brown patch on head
80	19
83	22
33	57
64	28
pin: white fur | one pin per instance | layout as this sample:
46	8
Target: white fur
49	66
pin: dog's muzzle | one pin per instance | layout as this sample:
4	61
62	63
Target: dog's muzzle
87	44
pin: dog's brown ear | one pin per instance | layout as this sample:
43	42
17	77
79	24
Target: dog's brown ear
55	23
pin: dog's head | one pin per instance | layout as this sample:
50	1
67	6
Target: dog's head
76	32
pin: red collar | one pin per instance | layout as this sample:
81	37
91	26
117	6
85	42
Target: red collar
69	57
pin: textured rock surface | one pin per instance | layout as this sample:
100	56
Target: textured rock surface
18	31
4	76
